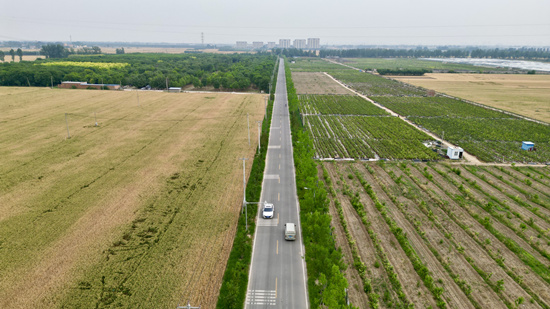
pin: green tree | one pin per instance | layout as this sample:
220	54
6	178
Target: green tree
20	54
120	51
12	54
2	56
54	51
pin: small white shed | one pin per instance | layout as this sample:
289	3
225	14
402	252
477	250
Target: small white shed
174	89
455	153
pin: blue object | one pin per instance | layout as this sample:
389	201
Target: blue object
527	145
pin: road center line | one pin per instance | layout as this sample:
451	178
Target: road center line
278	196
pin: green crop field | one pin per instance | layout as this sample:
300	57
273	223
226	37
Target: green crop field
413	63
137	211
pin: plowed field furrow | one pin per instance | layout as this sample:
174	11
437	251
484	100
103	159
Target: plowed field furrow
357	295
540	218
540	174
483	294
441	187
496	223
518	179
529	233
491	178
452	293
412	284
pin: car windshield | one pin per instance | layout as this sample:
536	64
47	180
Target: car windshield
268	209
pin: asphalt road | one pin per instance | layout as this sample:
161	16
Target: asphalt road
277	276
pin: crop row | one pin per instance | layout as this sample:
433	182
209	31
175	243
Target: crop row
437	106
484	259
370	84
493	140
338	105
361	137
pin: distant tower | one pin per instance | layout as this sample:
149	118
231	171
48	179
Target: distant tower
202	38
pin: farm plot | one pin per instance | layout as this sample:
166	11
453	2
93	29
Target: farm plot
523	94
437	107
415	64
137	211
338	105
366	137
493	140
372	85
316	83
454	235
315	65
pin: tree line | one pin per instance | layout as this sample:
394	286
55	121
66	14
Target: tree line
509	53
235	72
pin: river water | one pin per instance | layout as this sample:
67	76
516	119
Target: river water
517	64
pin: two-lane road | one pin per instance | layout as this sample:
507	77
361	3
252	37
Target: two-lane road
277	276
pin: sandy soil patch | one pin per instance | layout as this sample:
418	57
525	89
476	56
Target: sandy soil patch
316	83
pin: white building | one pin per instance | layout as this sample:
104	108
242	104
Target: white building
284	43
300	43
257	45
455	153
313	43
242	45
271	45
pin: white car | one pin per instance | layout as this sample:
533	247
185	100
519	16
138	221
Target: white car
268	211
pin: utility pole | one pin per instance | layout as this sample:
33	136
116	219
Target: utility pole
166	83
188	306
52	80
265	115
202	39
248	124
244	192
259	133
67	123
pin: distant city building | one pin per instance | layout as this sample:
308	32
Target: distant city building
300	43
271	45
284	43
257	45
313	43
242	45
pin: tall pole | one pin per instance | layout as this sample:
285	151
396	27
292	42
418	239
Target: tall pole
52	80
244	193
265	115
166	83
67	123
259	133
137	92
248	124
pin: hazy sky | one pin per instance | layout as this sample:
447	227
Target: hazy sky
426	22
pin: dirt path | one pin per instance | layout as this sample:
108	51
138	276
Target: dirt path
468	157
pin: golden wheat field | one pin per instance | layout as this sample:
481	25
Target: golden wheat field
122	213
